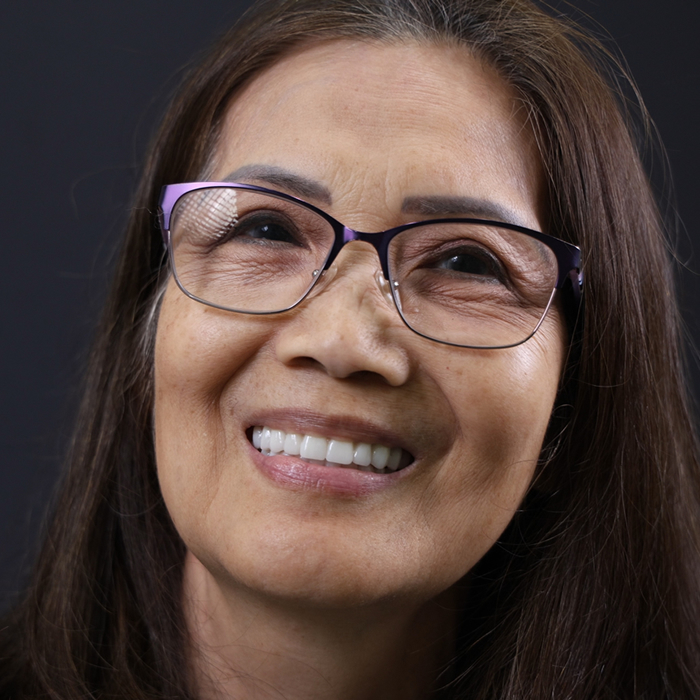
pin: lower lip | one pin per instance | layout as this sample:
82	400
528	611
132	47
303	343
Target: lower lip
296	474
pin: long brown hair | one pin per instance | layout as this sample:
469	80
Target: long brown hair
592	591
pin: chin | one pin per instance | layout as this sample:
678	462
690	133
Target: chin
303	569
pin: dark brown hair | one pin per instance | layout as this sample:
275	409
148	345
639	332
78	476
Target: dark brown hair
592	591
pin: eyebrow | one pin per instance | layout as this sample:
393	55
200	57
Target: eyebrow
425	205
298	185
448	205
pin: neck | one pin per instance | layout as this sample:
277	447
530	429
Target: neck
245	645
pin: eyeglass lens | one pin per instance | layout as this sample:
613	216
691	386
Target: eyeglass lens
462	283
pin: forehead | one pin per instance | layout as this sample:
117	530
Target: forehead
393	119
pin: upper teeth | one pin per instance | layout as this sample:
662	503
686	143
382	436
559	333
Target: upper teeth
333	450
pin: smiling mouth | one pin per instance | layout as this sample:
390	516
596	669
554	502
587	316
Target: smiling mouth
330	452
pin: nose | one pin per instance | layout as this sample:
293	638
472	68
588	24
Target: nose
346	327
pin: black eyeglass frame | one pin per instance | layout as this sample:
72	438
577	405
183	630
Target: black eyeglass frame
568	256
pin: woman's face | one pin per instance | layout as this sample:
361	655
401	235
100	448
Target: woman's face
356	129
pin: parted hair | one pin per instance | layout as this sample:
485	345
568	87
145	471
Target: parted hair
592	591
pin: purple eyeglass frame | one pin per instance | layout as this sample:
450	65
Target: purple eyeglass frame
568	255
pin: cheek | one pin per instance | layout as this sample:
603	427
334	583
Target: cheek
200	349
197	352
197	349
502	402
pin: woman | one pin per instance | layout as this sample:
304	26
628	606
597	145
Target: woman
307	468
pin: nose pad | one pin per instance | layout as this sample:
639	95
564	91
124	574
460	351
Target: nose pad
384	287
326	277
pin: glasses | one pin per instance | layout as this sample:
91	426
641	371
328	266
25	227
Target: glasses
459	281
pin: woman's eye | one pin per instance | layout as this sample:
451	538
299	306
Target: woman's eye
269	232
262	229
478	264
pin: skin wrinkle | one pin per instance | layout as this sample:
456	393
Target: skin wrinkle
346	589
280	178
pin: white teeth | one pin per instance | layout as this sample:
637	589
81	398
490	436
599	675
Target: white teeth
277	441
314	448
363	454
333	451
292	444
380	456
339	452
265	439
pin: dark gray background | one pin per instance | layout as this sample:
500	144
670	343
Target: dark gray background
82	84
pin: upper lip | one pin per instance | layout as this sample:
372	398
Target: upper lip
345	427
